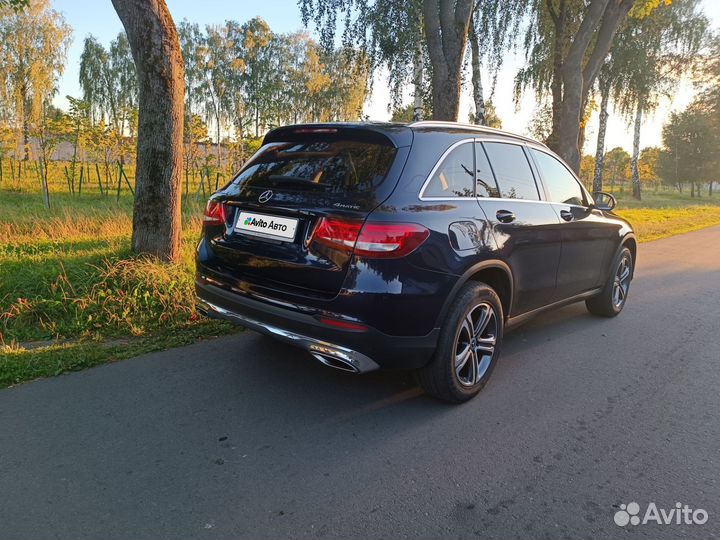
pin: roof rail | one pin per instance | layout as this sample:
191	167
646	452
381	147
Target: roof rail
473	127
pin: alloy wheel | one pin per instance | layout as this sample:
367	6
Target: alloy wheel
622	281
475	344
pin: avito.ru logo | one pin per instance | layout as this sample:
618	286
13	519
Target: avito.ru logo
258	222
680	515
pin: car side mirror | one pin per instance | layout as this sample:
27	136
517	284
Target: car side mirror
604	201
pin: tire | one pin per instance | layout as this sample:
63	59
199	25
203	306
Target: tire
477	310
611	300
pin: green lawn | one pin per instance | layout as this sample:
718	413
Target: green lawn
663	214
68	280
67	277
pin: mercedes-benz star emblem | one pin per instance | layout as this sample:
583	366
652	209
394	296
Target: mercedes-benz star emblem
265	196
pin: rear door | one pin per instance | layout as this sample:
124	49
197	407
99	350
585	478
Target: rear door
586	237
525	228
282	193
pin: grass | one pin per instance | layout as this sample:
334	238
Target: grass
67	277
72	296
663	214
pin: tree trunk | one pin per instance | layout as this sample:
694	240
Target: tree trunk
569	128
217	142
446	28
158	61
579	70
257	119
418	68
477	77
600	151
636	154
558	18
25	123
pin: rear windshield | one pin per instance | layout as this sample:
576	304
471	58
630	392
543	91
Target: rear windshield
335	166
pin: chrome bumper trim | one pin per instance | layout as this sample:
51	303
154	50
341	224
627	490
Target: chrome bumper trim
359	362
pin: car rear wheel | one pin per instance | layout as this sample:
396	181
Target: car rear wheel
468	347
612	298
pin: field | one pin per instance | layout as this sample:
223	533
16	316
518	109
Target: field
73	296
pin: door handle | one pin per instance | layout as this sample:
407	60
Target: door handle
567	215
505	216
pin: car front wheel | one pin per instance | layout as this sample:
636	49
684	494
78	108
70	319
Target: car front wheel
611	300
468	347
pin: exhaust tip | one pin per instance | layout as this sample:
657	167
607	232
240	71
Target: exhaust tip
336	363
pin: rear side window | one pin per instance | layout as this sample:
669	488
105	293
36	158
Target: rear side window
454	177
562	185
484	178
512	170
327	166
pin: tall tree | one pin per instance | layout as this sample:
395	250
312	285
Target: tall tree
393	34
691	147
123	82
155	48
649	56
566	48
109	82
604	82
33	47
254	38
216	56
93	62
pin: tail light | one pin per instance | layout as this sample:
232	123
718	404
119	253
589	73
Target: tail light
373	240
214	214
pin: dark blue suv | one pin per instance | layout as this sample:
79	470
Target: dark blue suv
416	246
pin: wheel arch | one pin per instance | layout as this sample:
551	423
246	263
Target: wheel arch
494	273
630	242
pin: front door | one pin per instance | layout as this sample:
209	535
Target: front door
586	237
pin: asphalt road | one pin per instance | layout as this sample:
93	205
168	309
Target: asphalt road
244	437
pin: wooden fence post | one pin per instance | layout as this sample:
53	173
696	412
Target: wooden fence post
117	199
67	179
82	169
97	171
42	172
124	175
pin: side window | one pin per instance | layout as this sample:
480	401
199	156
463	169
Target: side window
454	177
560	182
484	178
512	170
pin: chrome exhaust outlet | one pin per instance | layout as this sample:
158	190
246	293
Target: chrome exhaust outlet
337	363
330	354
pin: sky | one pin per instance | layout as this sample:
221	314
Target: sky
99	19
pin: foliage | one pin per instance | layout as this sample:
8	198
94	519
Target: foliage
647	164
540	125
652	50
587	169
691	141
617	164
109	82
245	78
394	35
33	46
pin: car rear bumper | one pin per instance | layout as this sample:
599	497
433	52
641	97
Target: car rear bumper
348	350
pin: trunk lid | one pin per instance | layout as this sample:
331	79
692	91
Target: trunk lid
299	176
